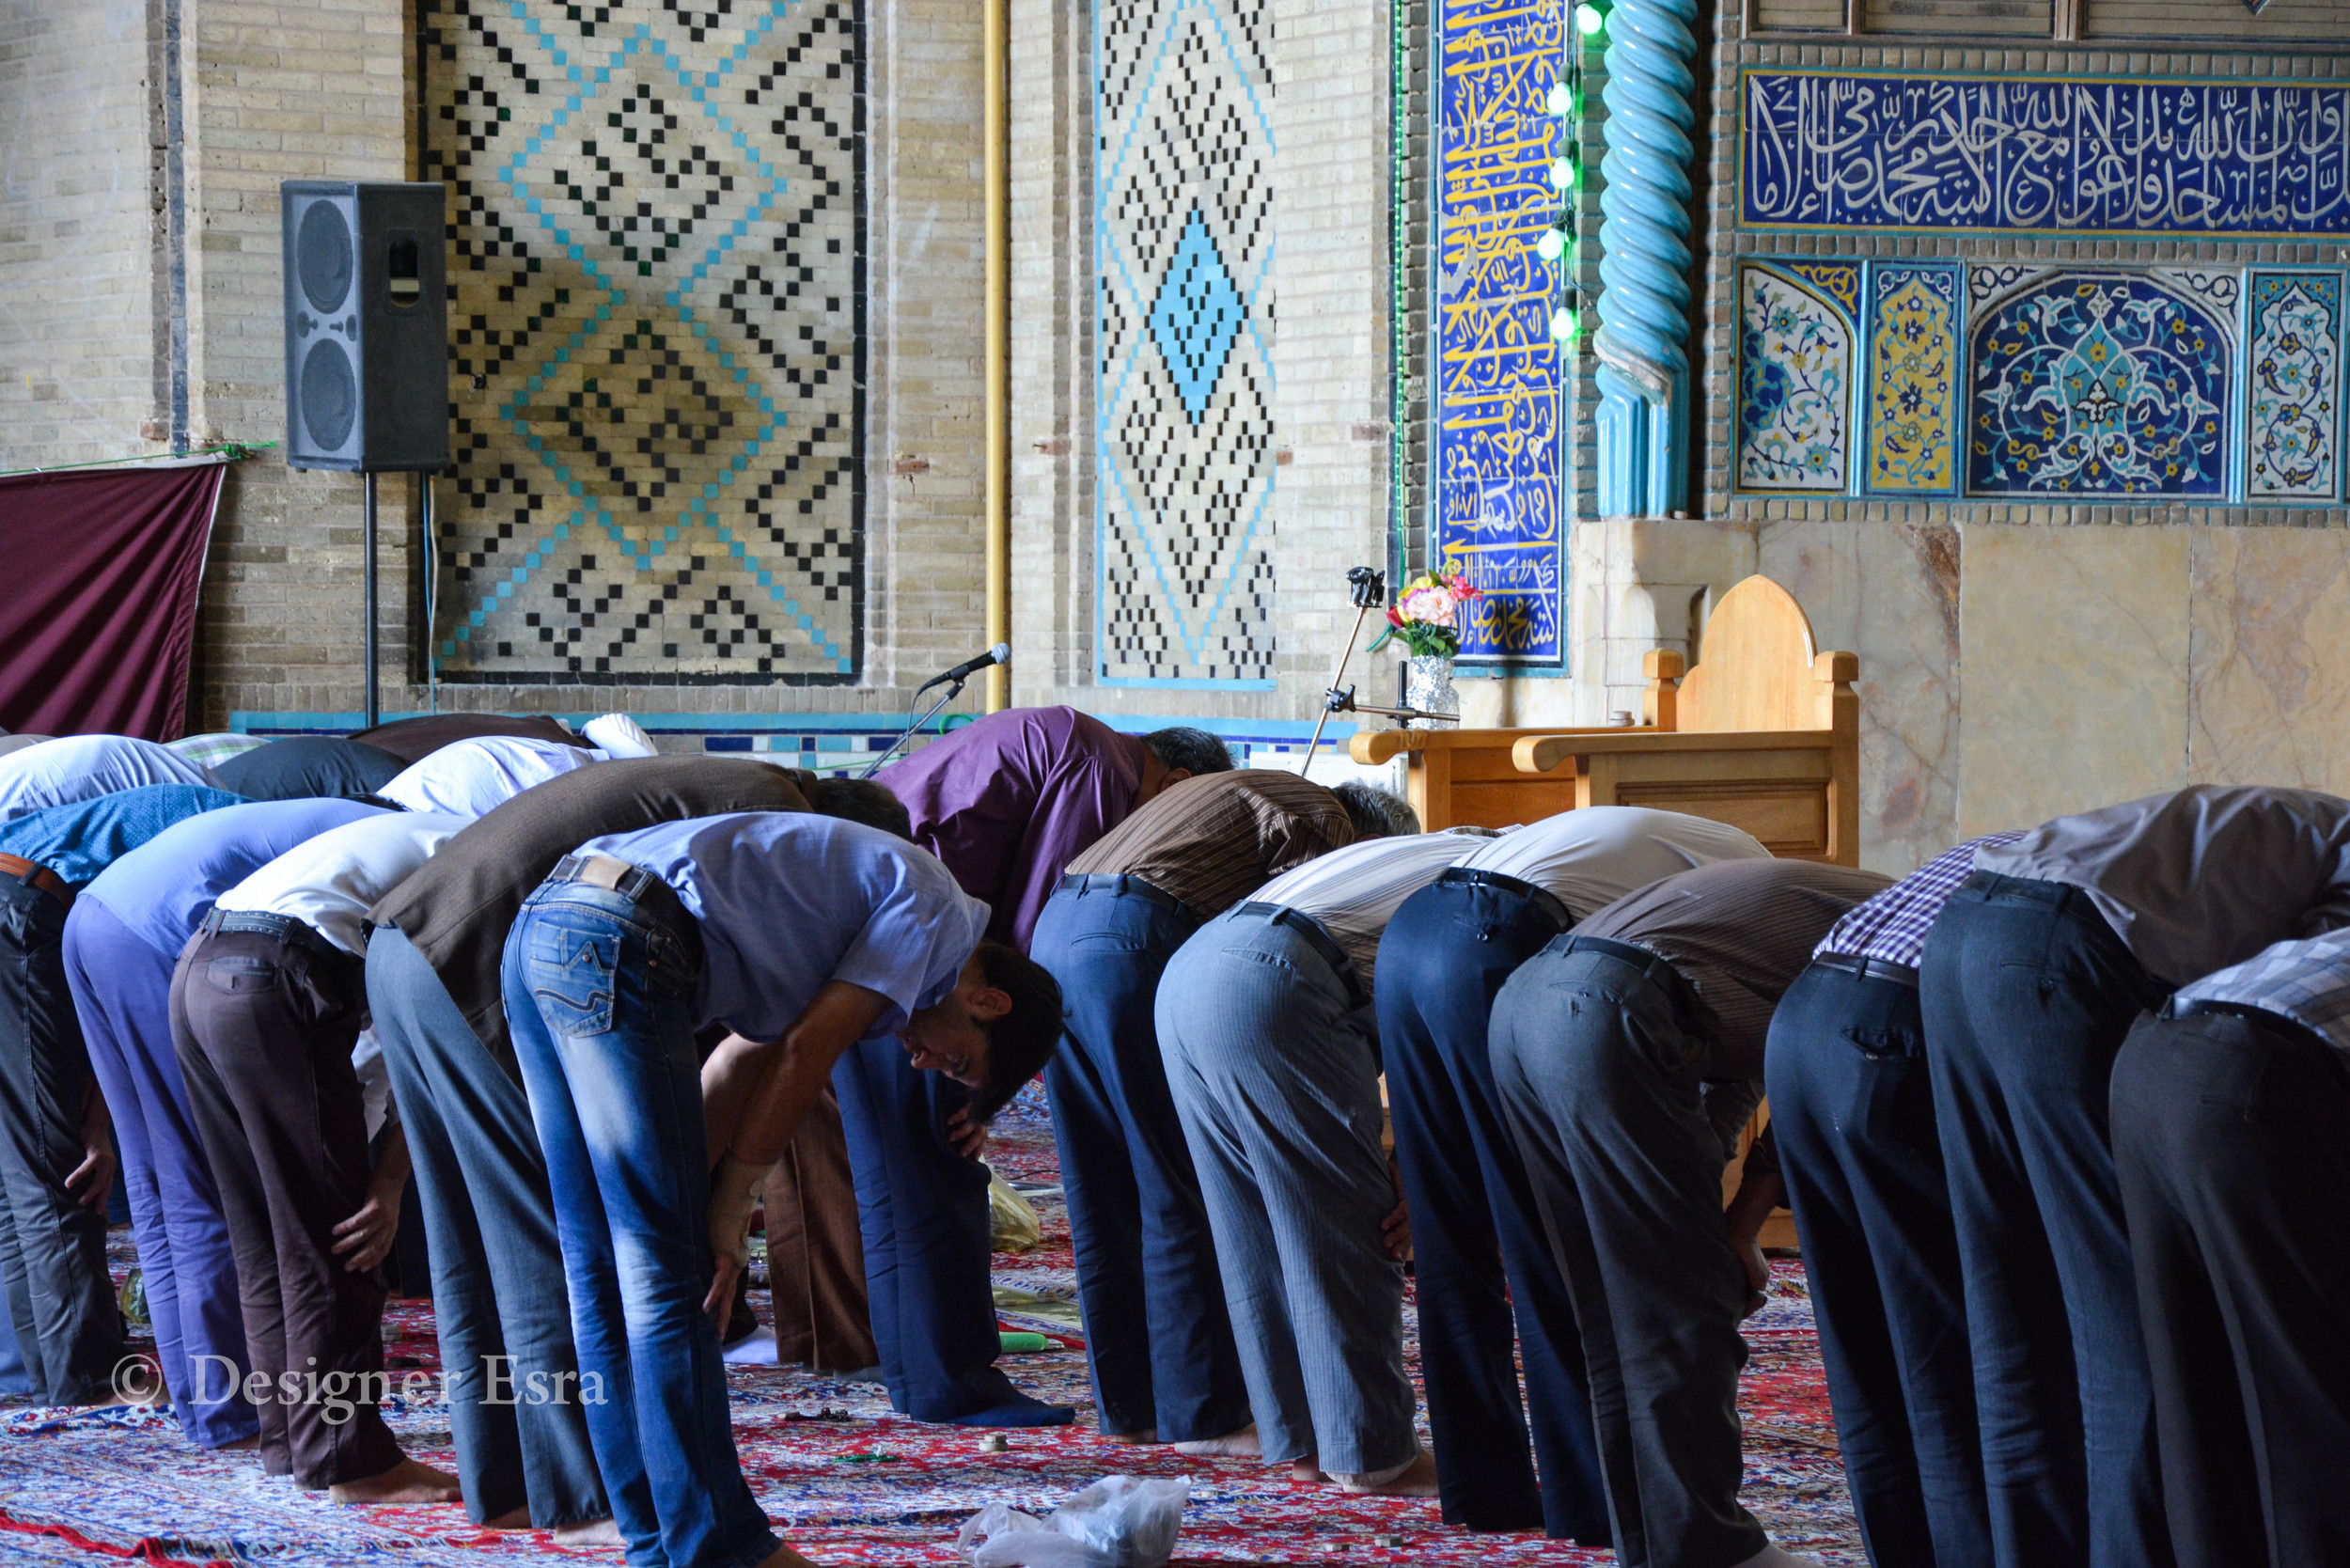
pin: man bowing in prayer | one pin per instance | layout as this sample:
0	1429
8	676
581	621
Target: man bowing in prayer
803	935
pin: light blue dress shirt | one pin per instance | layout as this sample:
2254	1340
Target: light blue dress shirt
80	841
789	901
162	890
82	767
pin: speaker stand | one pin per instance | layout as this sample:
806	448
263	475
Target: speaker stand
368	553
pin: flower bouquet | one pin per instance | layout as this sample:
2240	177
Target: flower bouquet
1425	615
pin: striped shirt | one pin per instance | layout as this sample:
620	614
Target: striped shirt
1739	932
1354	892
2306	980
1892	926
1209	843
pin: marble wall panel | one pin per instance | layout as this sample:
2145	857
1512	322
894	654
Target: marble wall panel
2270	657
2075	647
1890	592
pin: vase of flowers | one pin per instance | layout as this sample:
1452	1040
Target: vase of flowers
1425	617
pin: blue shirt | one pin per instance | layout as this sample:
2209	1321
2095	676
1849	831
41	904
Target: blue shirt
82	767
162	889
80	841
789	901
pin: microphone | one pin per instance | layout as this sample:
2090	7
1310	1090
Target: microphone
999	654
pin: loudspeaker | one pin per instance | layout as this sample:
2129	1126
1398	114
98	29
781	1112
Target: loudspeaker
367	325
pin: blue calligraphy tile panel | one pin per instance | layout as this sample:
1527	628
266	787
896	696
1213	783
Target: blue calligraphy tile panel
1497	496
1183	241
2099	384
656	279
2292	388
1795	376
1846	149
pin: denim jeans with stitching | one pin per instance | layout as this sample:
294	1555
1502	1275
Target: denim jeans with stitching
599	995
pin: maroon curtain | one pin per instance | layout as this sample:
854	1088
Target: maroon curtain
97	622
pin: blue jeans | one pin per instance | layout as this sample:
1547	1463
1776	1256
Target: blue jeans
599	995
2028	995
1489	1288
1157	1335
1851	1110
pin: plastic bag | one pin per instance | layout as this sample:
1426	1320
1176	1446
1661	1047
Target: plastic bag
1117	1522
1012	1222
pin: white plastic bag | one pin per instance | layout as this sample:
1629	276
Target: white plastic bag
1117	1522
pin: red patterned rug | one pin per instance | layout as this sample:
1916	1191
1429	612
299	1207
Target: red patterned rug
849	1482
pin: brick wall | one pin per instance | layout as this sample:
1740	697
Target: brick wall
79	214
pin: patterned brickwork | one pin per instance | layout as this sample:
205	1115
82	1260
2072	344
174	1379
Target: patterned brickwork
656	315
1185	321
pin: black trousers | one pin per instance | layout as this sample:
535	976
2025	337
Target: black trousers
1489	1289
2232	1138
2027	995
1604	1082
52	1250
1852	1110
264	1029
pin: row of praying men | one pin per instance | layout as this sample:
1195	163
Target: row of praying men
2026	1103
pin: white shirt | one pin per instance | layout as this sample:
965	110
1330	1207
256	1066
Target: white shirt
469	778
1354	891
329	883
1590	858
618	735
75	768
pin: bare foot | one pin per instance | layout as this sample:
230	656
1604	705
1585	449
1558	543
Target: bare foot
1307	1469
786	1558
590	1533
513	1518
1232	1445
1418	1480
1139	1437
404	1483
242	1445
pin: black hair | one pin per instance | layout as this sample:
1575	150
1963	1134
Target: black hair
860	800
1022	1041
1376	813
1195	751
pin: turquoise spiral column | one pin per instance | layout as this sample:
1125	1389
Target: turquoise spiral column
1644	271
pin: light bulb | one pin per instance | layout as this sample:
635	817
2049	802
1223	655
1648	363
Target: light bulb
1562	173
1562	324
1552	245
1589	20
1561	100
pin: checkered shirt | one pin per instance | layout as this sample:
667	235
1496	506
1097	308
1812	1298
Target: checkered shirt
1892	926
212	750
2306	980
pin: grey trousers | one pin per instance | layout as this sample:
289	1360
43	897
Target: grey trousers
1605	1089
498	1294
1274	1062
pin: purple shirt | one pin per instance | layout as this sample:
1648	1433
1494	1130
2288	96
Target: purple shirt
1008	801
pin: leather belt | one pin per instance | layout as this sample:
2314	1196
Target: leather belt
1653	967
1543	899
1315	936
1122	881
282	928
34	875
1870	968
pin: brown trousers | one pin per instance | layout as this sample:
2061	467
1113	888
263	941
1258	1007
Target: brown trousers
264	1030
815	1252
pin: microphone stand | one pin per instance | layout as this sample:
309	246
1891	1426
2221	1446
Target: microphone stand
920	719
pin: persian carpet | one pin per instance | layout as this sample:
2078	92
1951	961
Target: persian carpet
846	1481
